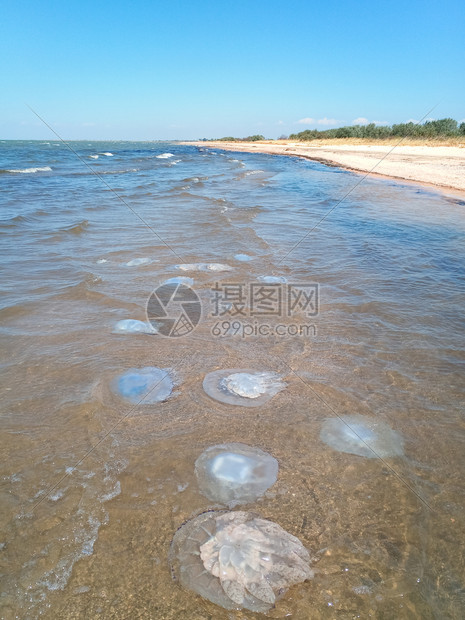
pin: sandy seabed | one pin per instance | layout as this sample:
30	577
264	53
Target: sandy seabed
440	166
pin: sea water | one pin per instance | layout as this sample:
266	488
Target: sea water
93	492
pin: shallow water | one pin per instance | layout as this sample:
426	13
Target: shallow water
94	488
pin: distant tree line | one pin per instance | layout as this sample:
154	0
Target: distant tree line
443	128
254	138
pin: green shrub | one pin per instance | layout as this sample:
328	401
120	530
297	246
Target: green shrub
443	128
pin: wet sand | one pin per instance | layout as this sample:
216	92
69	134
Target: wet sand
440	166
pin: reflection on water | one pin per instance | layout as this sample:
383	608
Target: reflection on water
387	535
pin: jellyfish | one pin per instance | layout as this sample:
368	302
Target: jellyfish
179	280
363	436
132	326
235	473
238	560
272	279
203	267
138	261
243	257
144	386
249	388
217	267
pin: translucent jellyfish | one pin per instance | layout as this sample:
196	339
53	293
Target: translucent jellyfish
238	560
247	388
203	267
155	384
139	261
272	279
235	473
356	434
132	326
243	257
217	267
179	280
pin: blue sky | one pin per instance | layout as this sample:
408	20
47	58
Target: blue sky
189	69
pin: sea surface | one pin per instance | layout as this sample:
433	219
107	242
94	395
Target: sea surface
94	487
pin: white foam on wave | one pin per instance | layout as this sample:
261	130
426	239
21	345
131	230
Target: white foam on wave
31	170
68	539
164	156
93	156
119	171
107	154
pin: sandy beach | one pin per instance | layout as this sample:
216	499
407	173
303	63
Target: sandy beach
439	166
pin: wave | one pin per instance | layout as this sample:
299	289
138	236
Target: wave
28	170
15	311
194	179
93	156
118	171
74	229
30	218
71	536
164	156
107	154
247	173
90	171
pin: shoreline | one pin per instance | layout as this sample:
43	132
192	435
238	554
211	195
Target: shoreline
438	167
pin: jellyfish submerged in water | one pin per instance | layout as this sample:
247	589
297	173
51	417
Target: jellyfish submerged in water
152	382
238	560
139	261
363	436
203	267
132	326
235	473
179	280
243	257
247	388
272	279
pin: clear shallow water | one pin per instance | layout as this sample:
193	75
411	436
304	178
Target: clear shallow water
389	343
